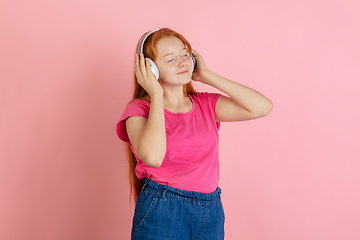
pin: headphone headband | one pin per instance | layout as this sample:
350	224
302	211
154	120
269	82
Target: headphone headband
143	39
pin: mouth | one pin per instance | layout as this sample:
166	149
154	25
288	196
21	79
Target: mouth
183	72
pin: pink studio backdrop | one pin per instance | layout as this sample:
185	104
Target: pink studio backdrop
66	76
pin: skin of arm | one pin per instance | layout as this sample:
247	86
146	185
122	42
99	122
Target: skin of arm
148	136
242	104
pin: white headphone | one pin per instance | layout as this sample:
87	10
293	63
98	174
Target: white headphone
153	66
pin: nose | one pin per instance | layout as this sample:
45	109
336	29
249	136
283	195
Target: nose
182	62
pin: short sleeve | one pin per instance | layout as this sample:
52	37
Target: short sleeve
211	99
135	108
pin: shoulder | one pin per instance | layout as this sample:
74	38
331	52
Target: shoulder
134	108
139	103
205	97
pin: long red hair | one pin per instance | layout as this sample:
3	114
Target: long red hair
140	93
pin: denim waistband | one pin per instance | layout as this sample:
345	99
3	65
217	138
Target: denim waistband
167	191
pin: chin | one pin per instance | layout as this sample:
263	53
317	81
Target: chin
177	81
187	81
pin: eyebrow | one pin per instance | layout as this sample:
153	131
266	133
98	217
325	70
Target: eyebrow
173	52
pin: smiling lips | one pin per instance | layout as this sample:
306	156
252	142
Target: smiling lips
183	72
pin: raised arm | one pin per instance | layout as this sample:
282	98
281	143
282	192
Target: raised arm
242	104
148	136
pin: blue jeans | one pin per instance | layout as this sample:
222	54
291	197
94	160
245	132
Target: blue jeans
163	212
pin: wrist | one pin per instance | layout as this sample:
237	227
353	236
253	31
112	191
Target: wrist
159	97
207	77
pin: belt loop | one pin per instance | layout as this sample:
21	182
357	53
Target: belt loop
163	193
143	187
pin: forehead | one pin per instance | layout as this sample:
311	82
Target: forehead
168	45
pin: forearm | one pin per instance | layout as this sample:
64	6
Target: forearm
245	97
152	143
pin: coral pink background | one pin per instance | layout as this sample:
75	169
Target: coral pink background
66	76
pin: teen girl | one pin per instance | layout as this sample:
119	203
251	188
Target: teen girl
172	134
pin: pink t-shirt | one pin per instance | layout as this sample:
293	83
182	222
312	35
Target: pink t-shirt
192	155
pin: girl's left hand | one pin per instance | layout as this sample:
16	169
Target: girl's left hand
201	70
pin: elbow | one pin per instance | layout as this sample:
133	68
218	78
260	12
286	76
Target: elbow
150	155
264	110
268	108
153	161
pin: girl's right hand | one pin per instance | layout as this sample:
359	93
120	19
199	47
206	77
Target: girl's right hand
145	77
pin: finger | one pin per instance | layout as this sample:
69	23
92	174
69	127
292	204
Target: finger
136	66
197	55
142	65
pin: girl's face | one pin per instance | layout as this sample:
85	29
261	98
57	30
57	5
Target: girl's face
173	61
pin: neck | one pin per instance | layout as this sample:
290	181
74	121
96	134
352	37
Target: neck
175	96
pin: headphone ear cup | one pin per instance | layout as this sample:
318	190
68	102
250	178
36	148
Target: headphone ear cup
193	61
154	69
